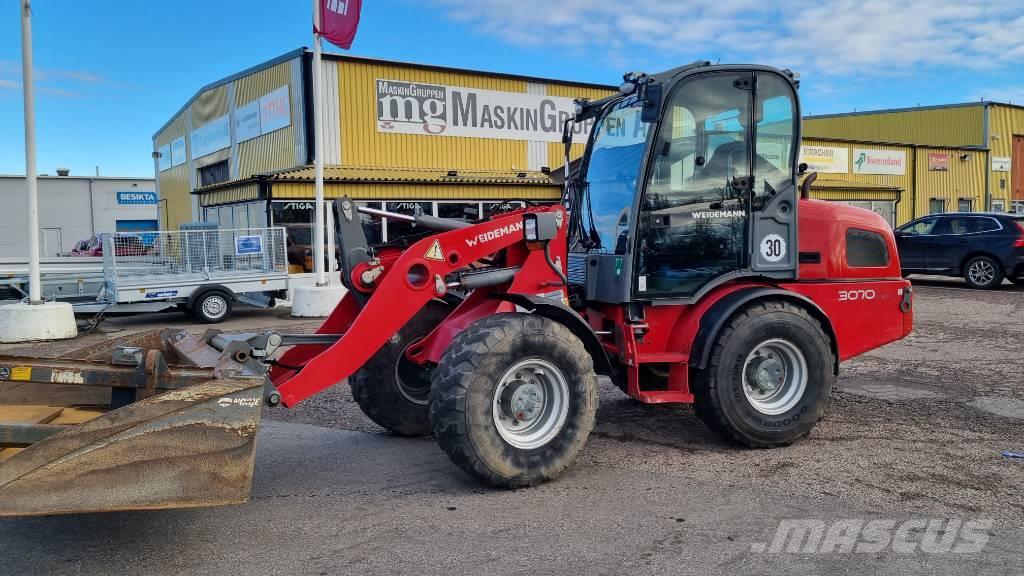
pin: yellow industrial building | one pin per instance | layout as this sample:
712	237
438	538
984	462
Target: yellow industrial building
450	142
416	138
962	157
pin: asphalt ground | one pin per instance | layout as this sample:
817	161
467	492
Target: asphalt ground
914	433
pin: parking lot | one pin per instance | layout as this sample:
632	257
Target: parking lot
915	431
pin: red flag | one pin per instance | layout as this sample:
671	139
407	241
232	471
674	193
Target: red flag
338	21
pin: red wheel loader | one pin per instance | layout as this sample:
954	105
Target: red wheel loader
685	264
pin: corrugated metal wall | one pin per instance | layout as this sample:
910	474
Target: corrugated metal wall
173	183
957	126
965	179
1004	123
274	151
362	145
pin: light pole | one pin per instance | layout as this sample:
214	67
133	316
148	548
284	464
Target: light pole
30	153
35	320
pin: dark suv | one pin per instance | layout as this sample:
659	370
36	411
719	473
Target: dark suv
984	248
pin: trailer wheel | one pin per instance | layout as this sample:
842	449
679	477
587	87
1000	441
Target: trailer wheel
392	390
212	307
514	399
769	376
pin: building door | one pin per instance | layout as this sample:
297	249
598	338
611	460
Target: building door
1017	168
51	242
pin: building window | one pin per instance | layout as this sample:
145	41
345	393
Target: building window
998	206
467	211
936	206
963	205
865	249
373	226
399	229
214	173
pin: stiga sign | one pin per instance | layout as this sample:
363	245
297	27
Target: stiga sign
435	110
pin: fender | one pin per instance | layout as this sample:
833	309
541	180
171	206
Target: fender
211	288
567	317
718	314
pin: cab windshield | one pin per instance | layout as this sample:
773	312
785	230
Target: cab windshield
611	175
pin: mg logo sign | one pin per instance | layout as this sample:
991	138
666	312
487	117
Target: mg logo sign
421	105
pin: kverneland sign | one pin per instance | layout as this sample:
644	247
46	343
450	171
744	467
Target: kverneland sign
879	161
435	110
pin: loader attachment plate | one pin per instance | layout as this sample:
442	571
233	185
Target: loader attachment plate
189	447
186	436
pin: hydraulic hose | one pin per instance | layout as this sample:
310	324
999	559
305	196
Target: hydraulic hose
558	270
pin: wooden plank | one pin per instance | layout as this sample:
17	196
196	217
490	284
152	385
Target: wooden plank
72	416
6	453
28	413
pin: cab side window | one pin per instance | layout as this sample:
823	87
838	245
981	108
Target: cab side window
923	226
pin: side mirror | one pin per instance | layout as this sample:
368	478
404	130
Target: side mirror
651	111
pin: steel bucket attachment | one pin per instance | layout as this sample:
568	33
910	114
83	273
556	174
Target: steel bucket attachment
167	435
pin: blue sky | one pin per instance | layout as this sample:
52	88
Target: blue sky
110	72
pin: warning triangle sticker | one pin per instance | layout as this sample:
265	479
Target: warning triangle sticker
434	253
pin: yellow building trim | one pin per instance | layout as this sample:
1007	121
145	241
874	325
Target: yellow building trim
240	193
373	191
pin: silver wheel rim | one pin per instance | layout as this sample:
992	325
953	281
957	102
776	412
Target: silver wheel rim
530	404
214	306
982	272
775	377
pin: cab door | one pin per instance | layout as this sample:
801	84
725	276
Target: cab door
704	182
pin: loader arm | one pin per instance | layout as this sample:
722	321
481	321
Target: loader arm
420	274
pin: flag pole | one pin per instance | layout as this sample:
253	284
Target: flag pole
318	157
30	152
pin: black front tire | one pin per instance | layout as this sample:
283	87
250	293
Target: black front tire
394	391
212	307
983	273
471	374
721	394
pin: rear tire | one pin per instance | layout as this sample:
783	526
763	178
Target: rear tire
983	273
394	391
477	399
211	307
769	377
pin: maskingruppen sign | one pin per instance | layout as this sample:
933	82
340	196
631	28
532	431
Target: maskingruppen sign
825	159
867	161
438	110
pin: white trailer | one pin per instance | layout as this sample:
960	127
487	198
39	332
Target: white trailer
202	272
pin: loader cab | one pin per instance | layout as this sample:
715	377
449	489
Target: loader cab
688	181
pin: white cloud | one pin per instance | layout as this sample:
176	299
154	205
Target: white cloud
1009	95
858	37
